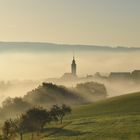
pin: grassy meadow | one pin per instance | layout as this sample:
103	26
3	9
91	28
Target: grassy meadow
116	118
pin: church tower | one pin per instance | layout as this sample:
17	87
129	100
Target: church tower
73	67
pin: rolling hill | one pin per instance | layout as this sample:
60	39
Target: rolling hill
116	118
120	105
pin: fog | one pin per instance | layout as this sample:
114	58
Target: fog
40	66
35	66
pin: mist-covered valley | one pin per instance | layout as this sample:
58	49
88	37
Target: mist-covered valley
22	70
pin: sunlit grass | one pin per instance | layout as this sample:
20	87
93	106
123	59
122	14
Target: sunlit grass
112	119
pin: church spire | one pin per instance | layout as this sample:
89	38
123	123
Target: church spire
73	66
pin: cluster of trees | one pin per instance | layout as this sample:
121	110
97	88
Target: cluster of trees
91	90
13	107
49	94
33	121
45	95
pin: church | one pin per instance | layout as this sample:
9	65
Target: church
73	74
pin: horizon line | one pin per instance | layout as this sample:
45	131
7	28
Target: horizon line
71	44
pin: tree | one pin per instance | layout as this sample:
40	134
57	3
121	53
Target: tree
8	130
35	119
15	105
58	113
13	127
19	126
38	116
54	113
65	110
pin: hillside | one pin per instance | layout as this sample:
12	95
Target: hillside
120	105
116	118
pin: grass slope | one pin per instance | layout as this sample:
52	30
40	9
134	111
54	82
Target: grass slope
121	105
116	118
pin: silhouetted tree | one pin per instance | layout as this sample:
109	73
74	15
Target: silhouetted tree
54	112
35	119
8	130
58	113
65	110
19	126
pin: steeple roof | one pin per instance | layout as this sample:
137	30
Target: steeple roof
73	61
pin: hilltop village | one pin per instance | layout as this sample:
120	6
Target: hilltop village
132	77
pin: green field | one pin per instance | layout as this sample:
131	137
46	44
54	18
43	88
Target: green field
116	118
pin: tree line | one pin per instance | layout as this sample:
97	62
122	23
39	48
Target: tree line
33	121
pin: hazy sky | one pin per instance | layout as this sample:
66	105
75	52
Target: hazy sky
99	22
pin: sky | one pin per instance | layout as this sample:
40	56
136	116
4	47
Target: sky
96	22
